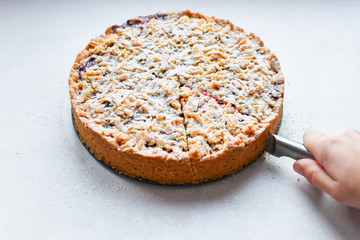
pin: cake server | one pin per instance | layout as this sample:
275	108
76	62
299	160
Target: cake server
279	146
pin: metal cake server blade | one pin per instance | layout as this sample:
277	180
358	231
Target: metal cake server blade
279	146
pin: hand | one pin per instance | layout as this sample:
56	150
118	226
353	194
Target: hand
336	170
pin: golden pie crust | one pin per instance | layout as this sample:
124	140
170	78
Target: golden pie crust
176	97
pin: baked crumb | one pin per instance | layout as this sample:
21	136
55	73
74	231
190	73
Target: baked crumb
179	85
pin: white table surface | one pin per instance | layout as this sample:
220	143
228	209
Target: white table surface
52	188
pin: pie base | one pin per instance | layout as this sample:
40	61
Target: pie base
164	167
157	171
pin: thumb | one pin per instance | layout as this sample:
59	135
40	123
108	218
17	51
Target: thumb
315	174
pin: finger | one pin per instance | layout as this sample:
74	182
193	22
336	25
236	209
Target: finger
313	142
352	134
315	174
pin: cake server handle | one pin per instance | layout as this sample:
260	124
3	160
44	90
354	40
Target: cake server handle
279	146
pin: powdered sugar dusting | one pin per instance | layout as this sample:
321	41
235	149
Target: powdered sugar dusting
179	85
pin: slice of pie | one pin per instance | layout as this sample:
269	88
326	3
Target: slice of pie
176	97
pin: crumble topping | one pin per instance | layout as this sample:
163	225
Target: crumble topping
178	85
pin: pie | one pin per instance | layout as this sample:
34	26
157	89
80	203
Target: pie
176	97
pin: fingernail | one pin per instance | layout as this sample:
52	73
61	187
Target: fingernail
298	169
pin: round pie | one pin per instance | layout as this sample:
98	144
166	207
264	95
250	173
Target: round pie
176	97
